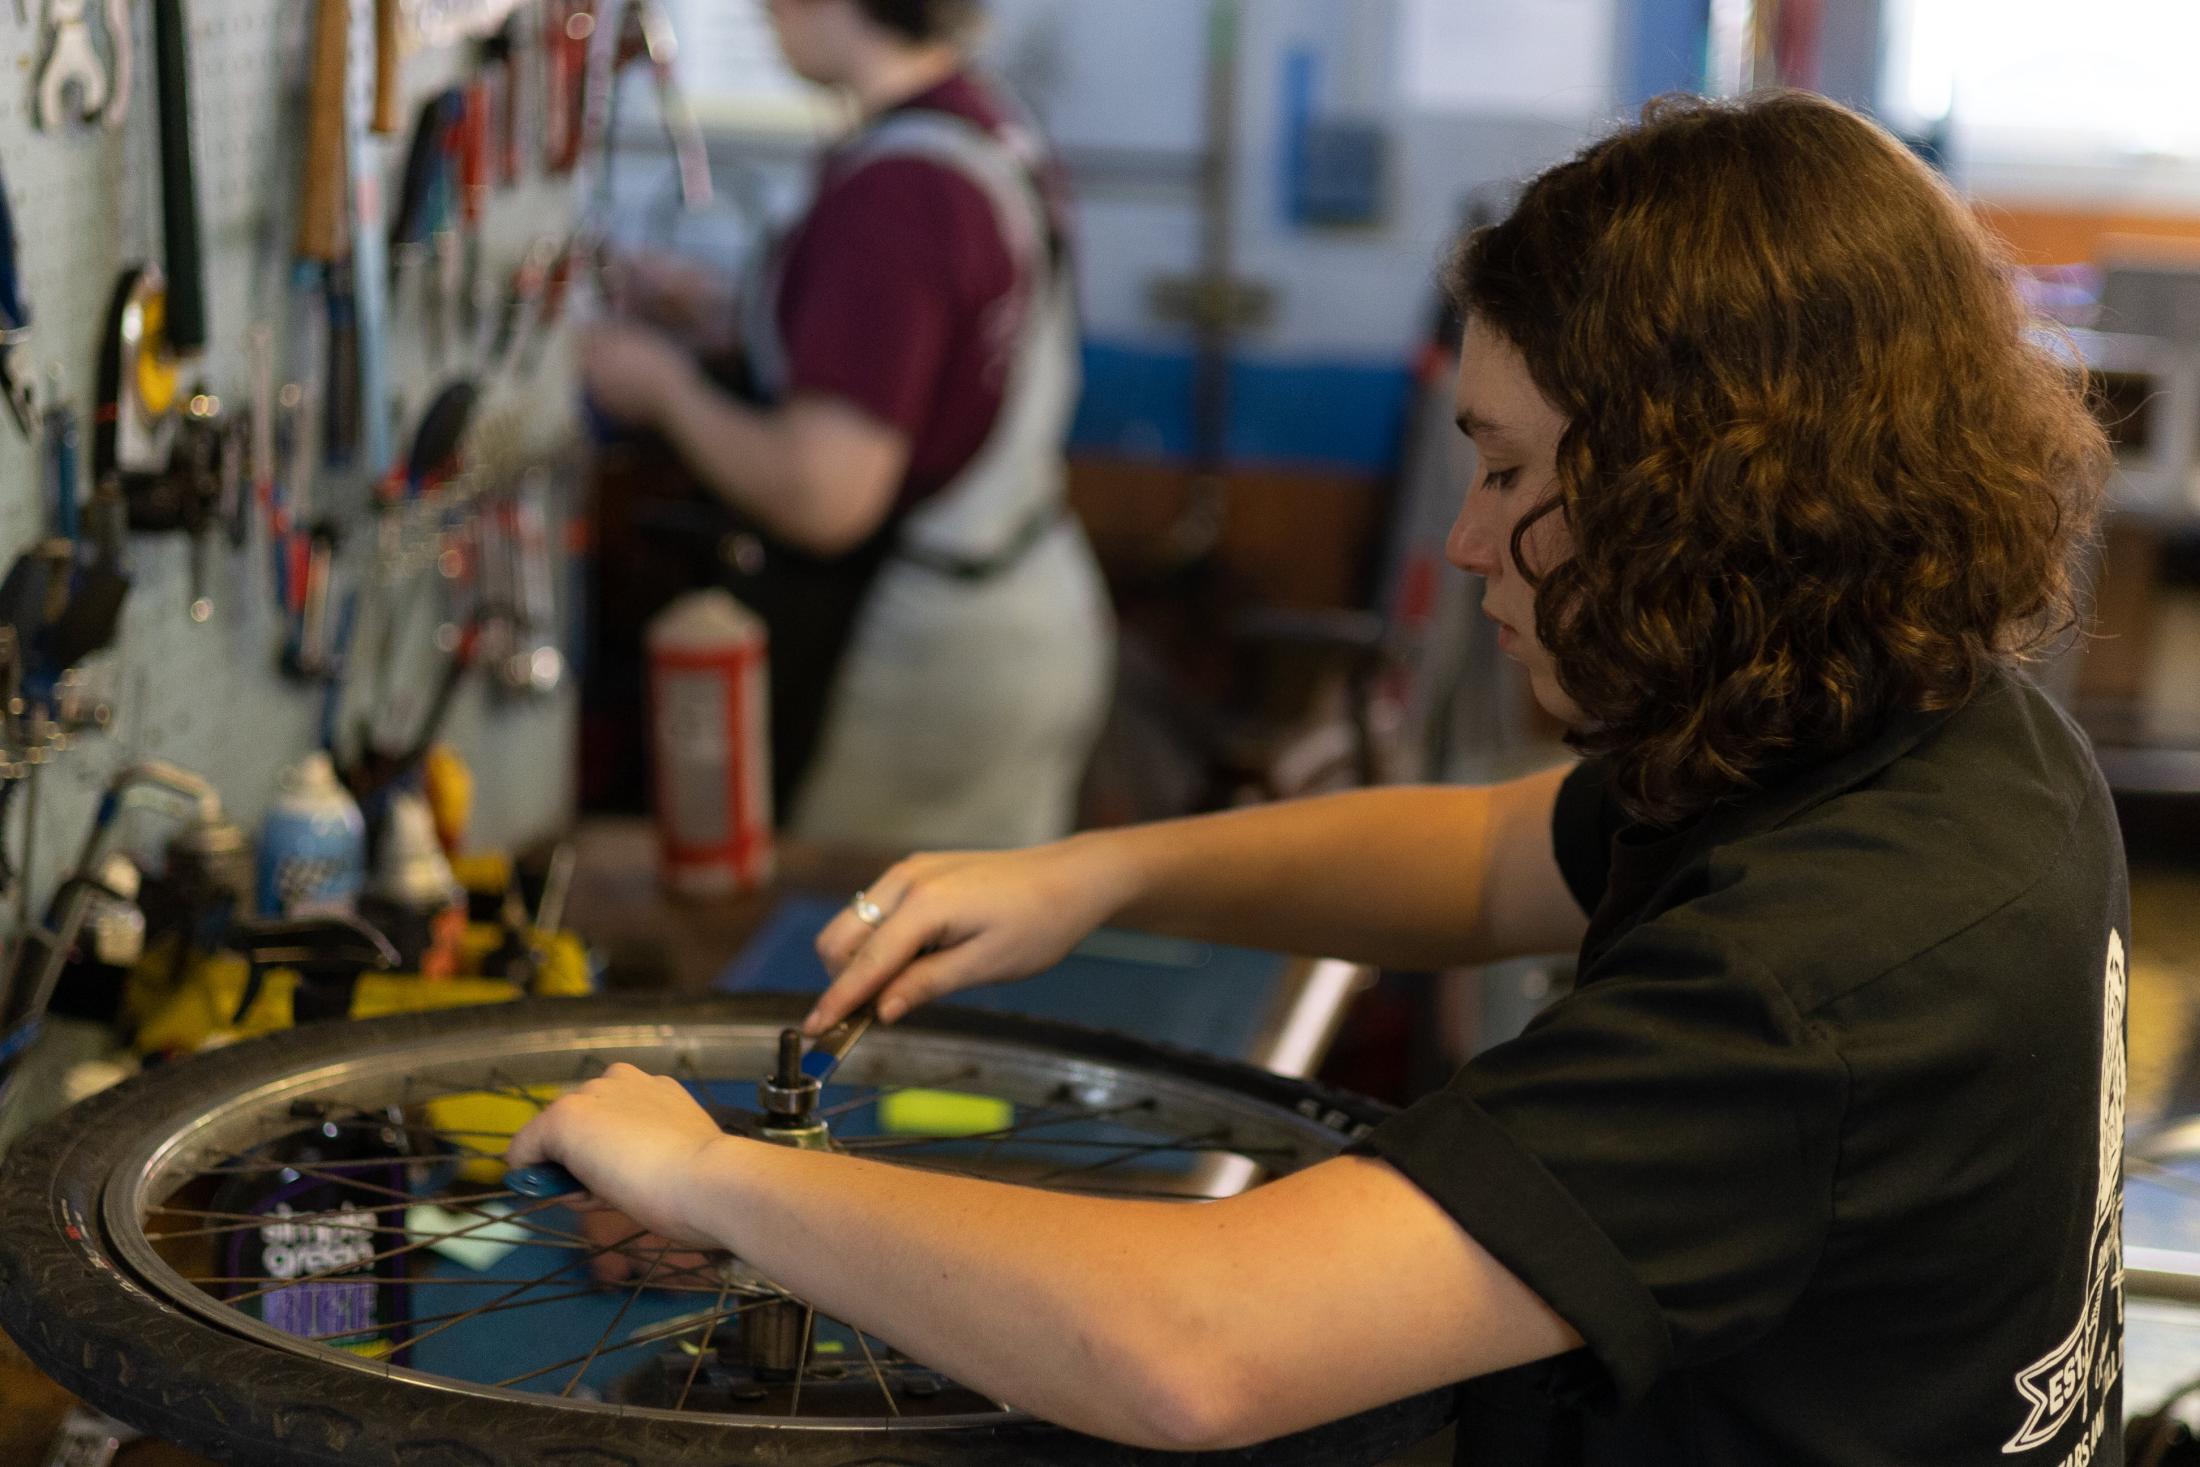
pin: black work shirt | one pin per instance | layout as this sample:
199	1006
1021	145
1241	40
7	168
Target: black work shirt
1822	1154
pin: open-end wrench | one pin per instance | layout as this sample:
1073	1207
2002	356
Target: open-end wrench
121	37
72	60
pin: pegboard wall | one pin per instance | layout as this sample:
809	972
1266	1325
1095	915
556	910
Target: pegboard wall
210	696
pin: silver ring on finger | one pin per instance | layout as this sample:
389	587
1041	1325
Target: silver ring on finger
868	912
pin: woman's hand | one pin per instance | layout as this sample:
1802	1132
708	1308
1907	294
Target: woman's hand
633	375
637	1142
960	920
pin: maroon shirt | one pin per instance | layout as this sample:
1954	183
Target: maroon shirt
894	289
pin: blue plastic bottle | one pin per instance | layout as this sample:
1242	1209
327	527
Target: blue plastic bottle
313	845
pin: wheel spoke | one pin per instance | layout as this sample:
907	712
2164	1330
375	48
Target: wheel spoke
416	1320
503	1084
1039	1120
252	1222
653	1336
612	1327
360	1120
702	1349
524	1286
358	1263
892	1407
660	1287
802	1361
879	1093
272	1168
1127	1154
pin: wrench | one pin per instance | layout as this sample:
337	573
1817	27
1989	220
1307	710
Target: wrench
73	59
120	36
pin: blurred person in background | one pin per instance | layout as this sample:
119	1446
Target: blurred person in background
905	365
1819	1160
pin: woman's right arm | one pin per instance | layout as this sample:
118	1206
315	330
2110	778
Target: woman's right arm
1404	877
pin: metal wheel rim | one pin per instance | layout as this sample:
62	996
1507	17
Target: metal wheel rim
1010	1069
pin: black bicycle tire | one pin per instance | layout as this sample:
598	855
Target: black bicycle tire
77	1313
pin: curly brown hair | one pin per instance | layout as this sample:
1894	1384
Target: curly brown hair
1818	465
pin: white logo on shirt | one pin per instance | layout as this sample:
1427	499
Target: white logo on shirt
2072	1380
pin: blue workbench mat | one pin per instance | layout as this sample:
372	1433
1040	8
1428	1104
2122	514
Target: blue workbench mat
1194	995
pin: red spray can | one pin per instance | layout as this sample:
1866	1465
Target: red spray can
710	723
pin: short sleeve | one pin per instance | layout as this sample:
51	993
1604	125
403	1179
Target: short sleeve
1654	1157
891	263
1583	822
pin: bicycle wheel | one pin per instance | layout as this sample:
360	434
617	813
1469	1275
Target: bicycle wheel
261	1253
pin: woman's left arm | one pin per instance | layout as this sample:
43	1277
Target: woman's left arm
1164	1325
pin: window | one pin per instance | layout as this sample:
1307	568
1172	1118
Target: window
2050	96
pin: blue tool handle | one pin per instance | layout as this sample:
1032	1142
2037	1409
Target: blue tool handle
14	315
543	1181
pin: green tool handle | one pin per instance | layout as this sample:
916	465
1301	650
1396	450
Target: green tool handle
179	189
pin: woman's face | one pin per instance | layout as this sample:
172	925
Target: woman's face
798	25
1515	432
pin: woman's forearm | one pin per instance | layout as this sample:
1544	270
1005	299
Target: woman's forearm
815	472
1182	1326
1033	1298
1392	876
742	455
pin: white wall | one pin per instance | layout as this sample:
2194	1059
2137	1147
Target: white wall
1131	75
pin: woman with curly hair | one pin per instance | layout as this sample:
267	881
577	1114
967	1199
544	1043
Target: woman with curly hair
1819	1159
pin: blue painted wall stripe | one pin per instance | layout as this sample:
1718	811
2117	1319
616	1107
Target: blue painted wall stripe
1319	414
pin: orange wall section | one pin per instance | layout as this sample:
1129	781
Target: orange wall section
2042	236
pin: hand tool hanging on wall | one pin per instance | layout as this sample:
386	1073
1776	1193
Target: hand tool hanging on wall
122	43
58	433
386	754
369	271
647	36
203	445
60	602
103	581
524	299
179	191
15	326
72	65
389	57
322	286
154	449
557	288
98	577
426	200
474	165
157	325
500	60
535	666
289	540
568	26
134	433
